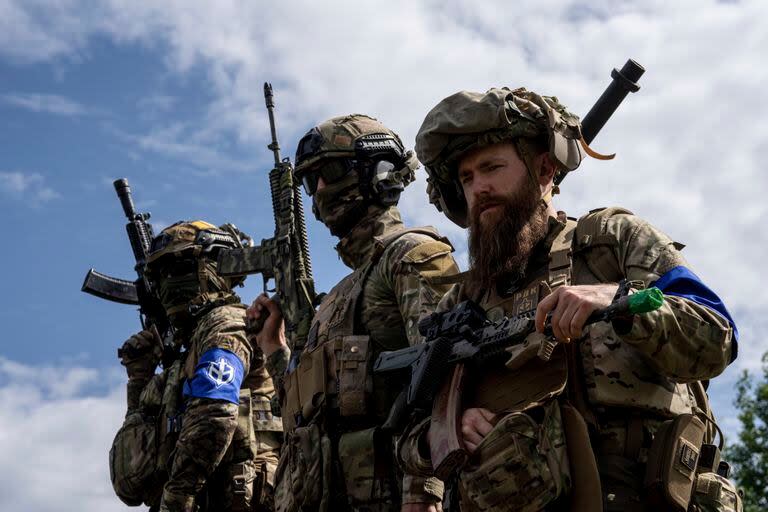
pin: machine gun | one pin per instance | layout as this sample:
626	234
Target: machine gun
463	335
285	256
138	292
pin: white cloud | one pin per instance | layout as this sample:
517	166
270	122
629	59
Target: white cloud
690	144
29	187
55	435
47	103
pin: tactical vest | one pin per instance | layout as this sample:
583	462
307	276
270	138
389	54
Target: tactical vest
616	377
334	367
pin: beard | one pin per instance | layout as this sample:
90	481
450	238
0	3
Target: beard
501	242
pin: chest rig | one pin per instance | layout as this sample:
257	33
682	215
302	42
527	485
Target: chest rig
334	368
535	382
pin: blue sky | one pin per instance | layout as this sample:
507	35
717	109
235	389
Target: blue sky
71	130
169	95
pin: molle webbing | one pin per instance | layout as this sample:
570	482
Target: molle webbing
348	351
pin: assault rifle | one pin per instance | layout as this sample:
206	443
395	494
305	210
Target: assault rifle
285	256
138	292
463	335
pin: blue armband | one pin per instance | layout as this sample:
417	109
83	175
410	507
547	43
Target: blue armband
218	375
681	282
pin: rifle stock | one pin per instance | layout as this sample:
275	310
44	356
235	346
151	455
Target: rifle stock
449	452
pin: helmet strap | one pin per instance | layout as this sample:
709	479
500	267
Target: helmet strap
526	153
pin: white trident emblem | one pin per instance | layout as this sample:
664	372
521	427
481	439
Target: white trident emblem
220	372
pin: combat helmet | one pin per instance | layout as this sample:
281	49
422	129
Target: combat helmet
336	147
182	267
468	120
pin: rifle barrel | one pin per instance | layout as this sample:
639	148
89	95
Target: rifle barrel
124	194
624	82
269	100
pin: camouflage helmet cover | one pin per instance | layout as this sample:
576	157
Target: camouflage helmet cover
340	137
468	120
190	249
196	234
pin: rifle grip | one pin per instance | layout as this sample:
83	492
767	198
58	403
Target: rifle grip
446	444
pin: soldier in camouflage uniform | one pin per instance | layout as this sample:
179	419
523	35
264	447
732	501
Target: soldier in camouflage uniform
219	448
337	455
574	432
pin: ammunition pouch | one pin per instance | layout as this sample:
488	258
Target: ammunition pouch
302	481
521	465
672	462
714	493
305	388
335	374
354	376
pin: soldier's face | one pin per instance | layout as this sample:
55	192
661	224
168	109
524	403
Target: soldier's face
491	177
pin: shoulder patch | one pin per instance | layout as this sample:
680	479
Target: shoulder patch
427	251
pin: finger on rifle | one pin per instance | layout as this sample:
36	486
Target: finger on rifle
565	321
272	306
580	318
546	305
257	306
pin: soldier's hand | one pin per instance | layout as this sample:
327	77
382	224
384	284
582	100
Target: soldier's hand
421	507
271	336
475	425
141	353
571	306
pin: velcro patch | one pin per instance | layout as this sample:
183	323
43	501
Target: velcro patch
426	251
218	375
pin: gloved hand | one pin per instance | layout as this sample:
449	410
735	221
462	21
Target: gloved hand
141	353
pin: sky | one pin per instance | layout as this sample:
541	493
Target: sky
169	96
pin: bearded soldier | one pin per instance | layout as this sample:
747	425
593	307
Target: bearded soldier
583	430
338	456
200	435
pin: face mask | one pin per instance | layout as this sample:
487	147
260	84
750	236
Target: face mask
339	205
176	292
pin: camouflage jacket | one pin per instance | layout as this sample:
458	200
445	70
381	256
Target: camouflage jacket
396	291
639	373
216	435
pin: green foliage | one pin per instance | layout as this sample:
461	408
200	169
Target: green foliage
749	455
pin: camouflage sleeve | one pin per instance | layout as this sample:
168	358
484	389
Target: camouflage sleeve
208	424
686	340
206	432
133	393
412	266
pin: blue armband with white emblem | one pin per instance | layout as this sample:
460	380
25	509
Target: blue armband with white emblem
681	282
218	375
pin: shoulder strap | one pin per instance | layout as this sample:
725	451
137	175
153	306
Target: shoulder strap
382	242
560	256
590	228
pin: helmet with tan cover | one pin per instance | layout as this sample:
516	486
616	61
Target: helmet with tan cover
357	142
182	266
468	120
